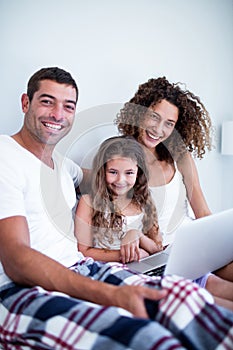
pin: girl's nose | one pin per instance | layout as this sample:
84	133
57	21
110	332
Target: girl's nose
121	178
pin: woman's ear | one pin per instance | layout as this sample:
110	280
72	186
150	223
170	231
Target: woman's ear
25	103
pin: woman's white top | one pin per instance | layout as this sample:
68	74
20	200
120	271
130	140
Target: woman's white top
172	206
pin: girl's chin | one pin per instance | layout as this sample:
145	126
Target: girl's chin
118	192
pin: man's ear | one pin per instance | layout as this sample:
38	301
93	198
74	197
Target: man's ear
25	103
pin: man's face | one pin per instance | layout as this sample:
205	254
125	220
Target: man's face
50	114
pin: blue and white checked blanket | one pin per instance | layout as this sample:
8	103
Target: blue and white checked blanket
33	318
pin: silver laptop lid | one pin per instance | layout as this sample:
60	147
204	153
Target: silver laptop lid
202	245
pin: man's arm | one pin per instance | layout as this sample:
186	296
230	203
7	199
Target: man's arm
27	266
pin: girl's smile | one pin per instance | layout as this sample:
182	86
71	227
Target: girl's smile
121	174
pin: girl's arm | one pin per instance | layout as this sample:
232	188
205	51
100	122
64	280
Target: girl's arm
188	169
149	245
83	233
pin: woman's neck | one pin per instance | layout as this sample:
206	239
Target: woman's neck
150	154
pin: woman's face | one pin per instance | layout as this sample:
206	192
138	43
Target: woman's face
158	124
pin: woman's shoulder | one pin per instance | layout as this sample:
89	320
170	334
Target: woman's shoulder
186	164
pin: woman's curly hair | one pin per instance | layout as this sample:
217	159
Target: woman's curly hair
105	216
192	131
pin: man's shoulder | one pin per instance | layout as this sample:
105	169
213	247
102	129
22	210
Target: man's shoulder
5	138
69	166
7	145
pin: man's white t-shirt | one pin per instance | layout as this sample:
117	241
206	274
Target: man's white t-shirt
45	196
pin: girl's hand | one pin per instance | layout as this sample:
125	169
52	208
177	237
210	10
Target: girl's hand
143	253
130	246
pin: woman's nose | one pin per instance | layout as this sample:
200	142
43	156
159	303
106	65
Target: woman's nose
159	128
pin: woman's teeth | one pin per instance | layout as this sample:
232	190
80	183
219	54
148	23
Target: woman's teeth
153	136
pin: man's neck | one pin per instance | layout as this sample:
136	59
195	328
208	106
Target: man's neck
40	150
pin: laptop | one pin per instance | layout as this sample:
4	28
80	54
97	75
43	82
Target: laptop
200	246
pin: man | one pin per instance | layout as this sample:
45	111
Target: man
53	298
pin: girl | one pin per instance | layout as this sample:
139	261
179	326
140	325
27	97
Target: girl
118	220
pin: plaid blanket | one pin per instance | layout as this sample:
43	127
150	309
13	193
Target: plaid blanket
33	318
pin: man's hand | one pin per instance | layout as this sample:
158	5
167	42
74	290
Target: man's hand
132	298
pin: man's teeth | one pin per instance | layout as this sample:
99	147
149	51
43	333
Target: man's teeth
53	126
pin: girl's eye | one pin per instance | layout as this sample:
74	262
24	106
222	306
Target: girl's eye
112	172
131	172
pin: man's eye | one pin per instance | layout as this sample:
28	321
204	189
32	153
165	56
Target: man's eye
70	107
46	102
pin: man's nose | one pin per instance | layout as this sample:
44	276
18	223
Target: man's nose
57	112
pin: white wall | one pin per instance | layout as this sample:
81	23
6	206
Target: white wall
111	46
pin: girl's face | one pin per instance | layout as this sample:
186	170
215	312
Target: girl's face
120	175
158	124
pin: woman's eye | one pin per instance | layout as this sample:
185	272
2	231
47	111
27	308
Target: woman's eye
170	125
154	116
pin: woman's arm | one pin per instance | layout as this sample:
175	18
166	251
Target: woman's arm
188	169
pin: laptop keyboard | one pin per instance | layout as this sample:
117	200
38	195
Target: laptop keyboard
158	271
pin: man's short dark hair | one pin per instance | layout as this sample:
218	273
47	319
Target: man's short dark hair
51	73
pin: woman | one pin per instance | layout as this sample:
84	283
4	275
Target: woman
173	126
